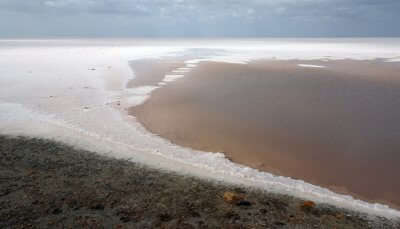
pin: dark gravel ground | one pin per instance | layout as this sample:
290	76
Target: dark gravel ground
44	184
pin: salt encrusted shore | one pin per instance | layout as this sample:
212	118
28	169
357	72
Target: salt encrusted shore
73	91
45	184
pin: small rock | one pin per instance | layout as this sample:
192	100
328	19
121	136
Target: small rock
339	216
35	202
229	214
30	173
279	223
97	207
125	219
233	198
307	205
164	217
56	211
243	203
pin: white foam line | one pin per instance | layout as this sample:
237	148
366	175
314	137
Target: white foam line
310	66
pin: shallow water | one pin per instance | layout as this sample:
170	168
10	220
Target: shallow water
337	126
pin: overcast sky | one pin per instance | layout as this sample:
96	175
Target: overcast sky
199	18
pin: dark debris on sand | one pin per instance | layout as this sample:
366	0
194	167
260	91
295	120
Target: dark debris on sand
44	184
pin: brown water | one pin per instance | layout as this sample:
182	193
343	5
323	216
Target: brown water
338	127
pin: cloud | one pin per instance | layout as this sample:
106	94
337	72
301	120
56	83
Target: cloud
203	17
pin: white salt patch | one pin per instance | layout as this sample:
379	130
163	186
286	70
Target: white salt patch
171	78
240	60
232	59
393	60
184	69
143	90
136	96
135	100
193	61
180	71
310	66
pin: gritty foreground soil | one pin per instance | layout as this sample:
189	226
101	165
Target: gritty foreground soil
44	184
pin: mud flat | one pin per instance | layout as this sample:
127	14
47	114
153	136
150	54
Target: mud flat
331	123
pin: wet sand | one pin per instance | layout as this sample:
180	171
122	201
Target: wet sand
337	127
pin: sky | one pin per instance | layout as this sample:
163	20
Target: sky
199	18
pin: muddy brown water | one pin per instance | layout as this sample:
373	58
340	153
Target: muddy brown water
337	127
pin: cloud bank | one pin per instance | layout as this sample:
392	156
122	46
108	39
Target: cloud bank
199	18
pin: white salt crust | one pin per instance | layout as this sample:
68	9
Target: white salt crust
310	66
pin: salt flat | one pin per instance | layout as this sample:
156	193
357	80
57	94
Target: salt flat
74	91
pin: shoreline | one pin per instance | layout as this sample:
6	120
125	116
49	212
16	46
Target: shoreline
49	184
166	114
